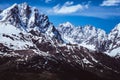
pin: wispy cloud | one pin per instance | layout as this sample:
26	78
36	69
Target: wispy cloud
101	12
110	3
72	9
68	7
47	1
69	3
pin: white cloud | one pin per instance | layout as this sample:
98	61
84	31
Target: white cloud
110	3
68	8
69	3
47	1
101	12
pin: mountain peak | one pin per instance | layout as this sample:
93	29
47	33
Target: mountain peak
67	24
90	27
14	5
27	18
117	27
115	32
24	4
8	10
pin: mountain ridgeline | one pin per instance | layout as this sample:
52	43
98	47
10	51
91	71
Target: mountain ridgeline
92	38
32	48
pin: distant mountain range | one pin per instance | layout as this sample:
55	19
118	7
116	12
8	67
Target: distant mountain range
92	38
32	48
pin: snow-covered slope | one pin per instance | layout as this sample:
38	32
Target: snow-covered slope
13	37
114	38
21	21
87	35
92	38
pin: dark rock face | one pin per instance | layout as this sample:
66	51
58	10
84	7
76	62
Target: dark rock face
59	66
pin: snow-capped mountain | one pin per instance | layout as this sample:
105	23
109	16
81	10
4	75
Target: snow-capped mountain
20	20
87	35
31	45
92	38
114	38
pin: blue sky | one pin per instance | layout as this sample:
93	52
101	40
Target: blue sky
103	14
